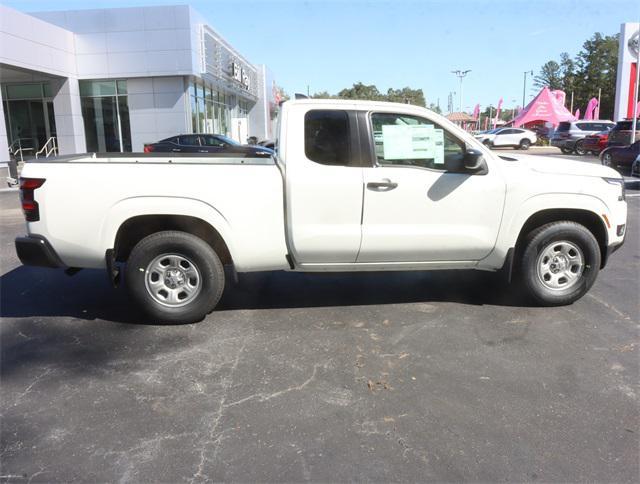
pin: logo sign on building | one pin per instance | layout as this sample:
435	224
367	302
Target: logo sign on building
628	66
241	75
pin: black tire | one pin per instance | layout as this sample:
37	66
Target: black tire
579	149
198	254
607	160
543	238
487	143
566	151
524	144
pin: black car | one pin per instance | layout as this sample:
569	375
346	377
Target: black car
204	143
620	157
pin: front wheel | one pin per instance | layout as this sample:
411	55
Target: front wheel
566	151
175	277
524	144
560	263
607	160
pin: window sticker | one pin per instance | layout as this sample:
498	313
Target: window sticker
438	142
410	142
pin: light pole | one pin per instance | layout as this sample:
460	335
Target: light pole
461	74
450	101
524	87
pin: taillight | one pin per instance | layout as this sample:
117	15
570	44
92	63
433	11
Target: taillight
148	148
29	205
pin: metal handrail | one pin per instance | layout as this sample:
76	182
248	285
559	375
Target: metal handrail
19	150
49	147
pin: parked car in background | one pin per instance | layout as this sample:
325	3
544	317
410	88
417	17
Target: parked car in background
517	137
570	136
268	143
596	142
620	135
204	143
620	157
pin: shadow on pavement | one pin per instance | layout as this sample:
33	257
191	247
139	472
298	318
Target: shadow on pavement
32	292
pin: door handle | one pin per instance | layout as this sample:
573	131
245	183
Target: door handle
385	185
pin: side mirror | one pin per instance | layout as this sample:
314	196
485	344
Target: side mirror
474	161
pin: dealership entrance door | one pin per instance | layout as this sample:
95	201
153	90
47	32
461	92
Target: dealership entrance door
29	117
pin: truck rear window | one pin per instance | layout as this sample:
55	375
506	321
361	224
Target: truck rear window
326	137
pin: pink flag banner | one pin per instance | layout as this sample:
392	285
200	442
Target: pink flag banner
495	121
591	108
577	115
560	96
486	122
476	111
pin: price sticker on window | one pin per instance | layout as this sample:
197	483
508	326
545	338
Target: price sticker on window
413	142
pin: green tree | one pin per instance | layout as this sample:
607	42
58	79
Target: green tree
406	95
596	67
567	74
361	91
435	108
549	76
322	95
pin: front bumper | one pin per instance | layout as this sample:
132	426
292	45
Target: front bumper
35	250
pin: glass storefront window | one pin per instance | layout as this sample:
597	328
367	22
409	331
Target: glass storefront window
201	114
210	118
121	87
194	114
97	88
24	91
29	115
105	113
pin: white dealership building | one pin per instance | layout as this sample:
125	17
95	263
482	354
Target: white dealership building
110	80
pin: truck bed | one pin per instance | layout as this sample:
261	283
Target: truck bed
86	199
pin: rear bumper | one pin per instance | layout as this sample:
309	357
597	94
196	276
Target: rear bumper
35	250
563	143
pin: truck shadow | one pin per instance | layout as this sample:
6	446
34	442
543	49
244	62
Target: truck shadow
33	292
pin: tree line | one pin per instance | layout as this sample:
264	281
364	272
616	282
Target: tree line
593	68
370	92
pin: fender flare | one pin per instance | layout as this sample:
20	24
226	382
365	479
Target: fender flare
128	208
513	225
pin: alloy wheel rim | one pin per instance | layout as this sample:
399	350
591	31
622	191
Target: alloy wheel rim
560	265
172	280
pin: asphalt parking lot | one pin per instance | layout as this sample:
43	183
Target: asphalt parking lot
358	377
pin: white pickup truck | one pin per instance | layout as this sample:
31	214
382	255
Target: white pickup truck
354	186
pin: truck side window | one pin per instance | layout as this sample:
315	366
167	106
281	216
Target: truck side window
405	140
326	137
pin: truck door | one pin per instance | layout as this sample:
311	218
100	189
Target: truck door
323	186
420	204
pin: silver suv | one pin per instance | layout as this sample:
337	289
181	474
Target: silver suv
570	135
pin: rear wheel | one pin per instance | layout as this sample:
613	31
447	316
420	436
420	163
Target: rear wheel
524	144
560	263
175	277
580	149
487	143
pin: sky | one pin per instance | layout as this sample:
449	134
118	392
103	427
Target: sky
329	45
